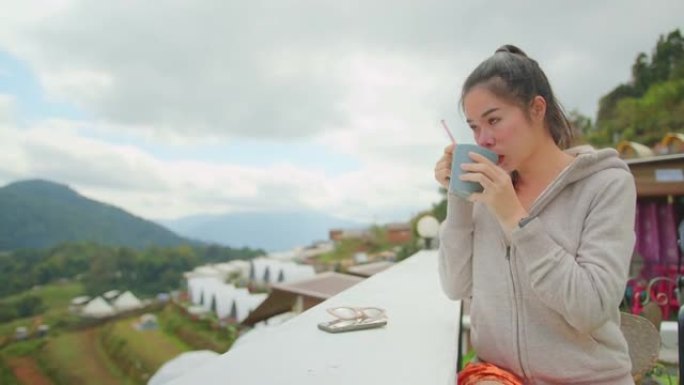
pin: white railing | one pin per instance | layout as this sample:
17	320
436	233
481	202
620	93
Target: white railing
418	345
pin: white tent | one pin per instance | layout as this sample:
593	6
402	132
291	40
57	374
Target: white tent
265	270
215	293
127	301
225	297
208	271
238	267
242	266
97	308
181	364
293	272
244	304
110	295
197	286
80	301
258	267
283	255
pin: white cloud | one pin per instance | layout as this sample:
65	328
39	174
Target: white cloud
292	70
369	80
138	181
6	109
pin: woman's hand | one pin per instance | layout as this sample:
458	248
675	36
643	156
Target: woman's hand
499	194
443	166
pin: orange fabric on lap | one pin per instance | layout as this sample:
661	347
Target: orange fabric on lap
481	371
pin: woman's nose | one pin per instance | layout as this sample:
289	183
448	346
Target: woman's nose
485	139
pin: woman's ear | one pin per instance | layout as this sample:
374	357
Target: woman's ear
538	108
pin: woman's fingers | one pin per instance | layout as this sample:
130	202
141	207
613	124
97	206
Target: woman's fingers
443	175
479	158
491	172
485	166
443	166
480	178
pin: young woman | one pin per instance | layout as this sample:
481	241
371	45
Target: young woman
544	251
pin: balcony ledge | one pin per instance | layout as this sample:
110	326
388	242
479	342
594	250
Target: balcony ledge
418	345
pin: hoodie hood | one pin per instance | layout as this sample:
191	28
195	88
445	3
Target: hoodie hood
588	161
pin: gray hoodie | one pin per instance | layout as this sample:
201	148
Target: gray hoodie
545	302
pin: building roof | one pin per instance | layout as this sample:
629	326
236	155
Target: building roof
398	226
658	176
283	296
322	286
672	137
633	150
655	159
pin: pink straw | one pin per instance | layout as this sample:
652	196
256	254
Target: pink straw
448	132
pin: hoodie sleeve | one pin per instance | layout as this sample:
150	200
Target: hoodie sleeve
587	287
456	248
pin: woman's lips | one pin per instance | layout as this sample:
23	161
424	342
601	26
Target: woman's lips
501	159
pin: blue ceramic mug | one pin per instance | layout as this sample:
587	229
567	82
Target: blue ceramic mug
461	188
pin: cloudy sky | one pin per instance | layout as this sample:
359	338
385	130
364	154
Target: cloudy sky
171	108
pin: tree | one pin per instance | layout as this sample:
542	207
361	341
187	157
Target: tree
650	105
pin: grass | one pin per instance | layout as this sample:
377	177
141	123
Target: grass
86	356
152	347
77	358
197	334
56	298
53	295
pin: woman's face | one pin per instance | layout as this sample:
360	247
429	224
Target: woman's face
500	126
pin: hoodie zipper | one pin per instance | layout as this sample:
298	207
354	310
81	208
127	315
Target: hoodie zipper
516	310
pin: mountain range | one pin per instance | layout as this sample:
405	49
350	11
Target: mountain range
41	214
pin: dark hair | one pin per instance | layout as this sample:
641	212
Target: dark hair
511	75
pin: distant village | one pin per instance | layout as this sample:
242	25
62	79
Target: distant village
266	290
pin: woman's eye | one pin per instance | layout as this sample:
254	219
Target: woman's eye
494	120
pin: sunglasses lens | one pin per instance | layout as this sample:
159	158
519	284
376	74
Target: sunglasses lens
343	312
373	312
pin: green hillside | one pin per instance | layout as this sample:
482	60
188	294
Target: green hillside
42	214
649	105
